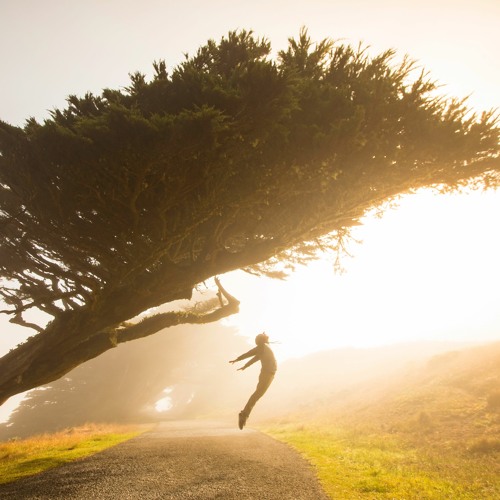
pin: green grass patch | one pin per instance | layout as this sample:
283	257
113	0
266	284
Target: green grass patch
21	458
356	463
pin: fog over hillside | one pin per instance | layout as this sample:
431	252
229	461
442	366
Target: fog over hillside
437	394
341	376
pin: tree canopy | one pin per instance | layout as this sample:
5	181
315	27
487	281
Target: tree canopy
126	201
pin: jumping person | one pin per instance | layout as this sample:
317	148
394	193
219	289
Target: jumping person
265	355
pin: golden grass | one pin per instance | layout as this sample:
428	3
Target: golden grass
353	462
20	458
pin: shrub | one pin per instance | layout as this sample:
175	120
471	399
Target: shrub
424	421
485	446
494	401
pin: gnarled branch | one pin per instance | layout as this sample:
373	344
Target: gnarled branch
158	322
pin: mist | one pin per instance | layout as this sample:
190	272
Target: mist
125	384
183	373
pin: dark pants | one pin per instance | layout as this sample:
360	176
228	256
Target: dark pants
265	379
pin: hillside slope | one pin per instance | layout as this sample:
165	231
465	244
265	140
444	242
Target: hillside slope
450	399
452	402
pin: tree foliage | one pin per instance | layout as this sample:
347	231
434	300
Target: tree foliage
127	200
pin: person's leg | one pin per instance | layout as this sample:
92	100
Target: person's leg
265	380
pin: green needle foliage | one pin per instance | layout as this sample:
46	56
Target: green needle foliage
127	200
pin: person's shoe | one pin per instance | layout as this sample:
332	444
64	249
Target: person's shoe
242	420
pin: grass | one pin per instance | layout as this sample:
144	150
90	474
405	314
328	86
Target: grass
360	463
21	458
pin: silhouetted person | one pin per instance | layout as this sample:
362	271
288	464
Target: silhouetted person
265	355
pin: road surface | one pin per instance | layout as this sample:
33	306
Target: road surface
180	460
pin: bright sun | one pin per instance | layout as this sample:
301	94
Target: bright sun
428	270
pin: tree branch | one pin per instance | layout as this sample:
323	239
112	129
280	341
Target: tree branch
153	324
19	320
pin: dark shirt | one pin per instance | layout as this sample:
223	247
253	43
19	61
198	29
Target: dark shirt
262	353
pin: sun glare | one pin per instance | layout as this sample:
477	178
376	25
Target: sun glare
427	270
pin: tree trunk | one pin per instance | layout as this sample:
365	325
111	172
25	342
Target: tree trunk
62	347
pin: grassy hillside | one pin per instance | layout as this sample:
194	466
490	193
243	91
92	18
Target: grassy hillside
452	402
429	431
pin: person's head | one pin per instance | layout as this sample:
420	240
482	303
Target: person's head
262	338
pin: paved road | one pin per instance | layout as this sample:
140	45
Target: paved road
180	460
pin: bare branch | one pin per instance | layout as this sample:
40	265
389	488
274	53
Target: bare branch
19	320
153	324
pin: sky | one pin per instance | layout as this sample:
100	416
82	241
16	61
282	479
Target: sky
429	270
54	48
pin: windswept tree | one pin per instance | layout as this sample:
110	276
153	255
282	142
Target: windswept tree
126	201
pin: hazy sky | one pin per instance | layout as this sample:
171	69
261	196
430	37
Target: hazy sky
428	271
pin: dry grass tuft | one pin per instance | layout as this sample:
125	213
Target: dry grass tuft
24	457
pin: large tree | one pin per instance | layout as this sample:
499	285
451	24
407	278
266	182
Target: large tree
126	201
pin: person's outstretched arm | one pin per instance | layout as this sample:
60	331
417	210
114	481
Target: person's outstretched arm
251	362
251	352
